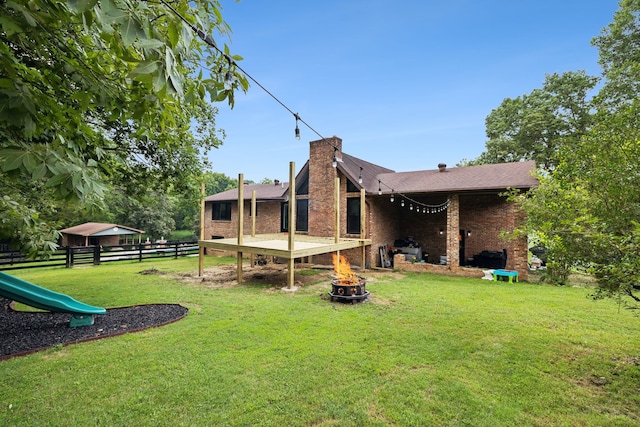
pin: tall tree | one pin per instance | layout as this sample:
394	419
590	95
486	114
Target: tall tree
619	56
152	213
586	210
534	126
216	182
93	93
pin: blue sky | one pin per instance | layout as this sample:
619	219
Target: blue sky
405	84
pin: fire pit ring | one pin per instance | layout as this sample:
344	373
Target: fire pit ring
353	292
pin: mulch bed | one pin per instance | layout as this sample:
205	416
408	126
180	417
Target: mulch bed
27	332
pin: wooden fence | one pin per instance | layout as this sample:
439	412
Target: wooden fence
70	256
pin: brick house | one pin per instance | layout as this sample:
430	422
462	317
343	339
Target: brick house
456	215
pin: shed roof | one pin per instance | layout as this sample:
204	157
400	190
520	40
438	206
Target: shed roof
100	229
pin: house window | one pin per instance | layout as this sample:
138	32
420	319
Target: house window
302	215
353	215
284	217
303	186
351	187
221	211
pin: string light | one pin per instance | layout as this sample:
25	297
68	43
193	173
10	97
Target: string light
334	162
391	198
379	188
228	77
297	128
360	176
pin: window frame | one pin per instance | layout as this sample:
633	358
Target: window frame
221	211
302	215
353	215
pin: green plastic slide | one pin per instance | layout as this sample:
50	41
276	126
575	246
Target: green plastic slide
36	296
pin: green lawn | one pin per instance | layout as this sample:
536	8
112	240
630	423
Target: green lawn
426	350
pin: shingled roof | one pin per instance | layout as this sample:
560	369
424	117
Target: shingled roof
469	178
491	177
277	191
350	166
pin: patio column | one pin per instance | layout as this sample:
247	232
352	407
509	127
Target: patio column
453	232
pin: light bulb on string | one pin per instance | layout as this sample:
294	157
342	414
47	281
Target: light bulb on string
411	207
402	203
297	128
334	162
360	176
379	188
391	198
228	77
228	81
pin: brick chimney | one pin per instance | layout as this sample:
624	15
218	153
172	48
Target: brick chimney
321	185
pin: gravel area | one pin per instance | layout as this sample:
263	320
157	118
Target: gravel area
26	332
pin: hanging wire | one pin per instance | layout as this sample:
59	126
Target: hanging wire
228	78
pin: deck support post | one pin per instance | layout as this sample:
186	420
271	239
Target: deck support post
201	248
240	223
292	225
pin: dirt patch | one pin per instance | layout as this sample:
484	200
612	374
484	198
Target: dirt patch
270	275
273	275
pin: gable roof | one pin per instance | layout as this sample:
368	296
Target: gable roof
350	167
100	229
492	177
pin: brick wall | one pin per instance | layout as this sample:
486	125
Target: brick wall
267	220
488	217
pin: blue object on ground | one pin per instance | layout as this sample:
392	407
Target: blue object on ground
505	273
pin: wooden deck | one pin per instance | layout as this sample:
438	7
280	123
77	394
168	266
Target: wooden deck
278	245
